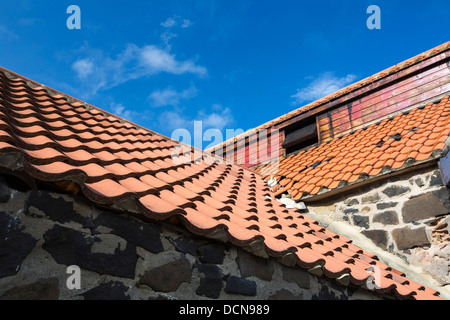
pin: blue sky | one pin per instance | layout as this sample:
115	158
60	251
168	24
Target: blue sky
233	64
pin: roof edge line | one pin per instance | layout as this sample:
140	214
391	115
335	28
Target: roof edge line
51	91
105	113
432	160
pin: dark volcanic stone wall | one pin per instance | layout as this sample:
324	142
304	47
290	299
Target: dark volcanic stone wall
120	257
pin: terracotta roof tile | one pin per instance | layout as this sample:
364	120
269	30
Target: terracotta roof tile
378	146
115	162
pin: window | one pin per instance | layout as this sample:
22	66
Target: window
300	136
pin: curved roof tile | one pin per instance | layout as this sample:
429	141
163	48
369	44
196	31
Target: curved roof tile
53	137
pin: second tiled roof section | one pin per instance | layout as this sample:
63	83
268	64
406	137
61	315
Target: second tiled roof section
410	138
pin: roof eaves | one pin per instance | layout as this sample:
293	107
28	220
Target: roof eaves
386	171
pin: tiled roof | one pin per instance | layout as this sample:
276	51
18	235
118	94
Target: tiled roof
54	138
335	95
408	139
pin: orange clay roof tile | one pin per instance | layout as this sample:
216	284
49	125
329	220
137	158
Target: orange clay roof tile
379	146
114	161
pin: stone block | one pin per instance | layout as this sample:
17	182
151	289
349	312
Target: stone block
211	253
112	290
327	293
389	217
436	179
296	275
54	207
240	286
370	198
351	202
284	294
107	243
350	211
168	277
395	190
386	205
138	233
211	284
407	238
184	245
251	265
379	237
431	204
15	244
419	182
71	247
42	289
361	221
443	194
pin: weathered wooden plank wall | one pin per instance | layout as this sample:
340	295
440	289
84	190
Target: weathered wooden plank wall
410	86
397	96
255	149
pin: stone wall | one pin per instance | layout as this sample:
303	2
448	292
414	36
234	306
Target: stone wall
121	257
408	215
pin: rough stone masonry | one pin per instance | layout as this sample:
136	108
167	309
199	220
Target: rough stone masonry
121	257
407	215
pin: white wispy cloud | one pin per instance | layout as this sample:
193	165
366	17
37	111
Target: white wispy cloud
186	23
166	37
321	86
219	118
98	71
141	117
119	110
83	68
156	60
176	21
172	120
171	24
170	96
